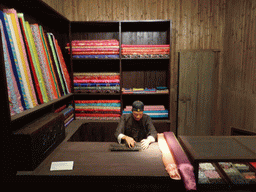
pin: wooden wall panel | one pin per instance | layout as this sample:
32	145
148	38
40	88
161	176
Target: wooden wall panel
226	25
239	71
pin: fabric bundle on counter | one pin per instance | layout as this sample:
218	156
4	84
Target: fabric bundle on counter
94	49
98	109
35	69
96	82
154	111
68	113
158	90
184	166
168	158
145	51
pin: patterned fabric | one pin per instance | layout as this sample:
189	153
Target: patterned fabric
22	58
96	82
13	92
36	63
63	66
30	57
98	109
145	51
94	48
43	61
62	82
32	75
158	111
15	64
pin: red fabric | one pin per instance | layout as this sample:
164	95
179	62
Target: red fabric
97	101
97	115
253	164
96	77
60	109
145	45
95	53
36	82
95	42
97	81
101	111
94	50
64	67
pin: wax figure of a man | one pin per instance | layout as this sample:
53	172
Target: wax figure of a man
136	127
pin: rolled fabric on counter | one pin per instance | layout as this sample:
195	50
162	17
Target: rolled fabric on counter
167	157
184	166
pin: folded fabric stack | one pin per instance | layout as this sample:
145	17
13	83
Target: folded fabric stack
239	173
154	111
98	109
94	49
96	82
145	91
208	174
145	51
68	113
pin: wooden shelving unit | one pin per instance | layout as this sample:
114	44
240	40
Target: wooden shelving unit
134	73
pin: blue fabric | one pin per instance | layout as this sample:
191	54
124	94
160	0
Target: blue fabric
95	84
162	111
96	56
99	104
12	57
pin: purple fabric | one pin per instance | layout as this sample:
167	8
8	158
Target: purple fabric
187	175
183	164
174	146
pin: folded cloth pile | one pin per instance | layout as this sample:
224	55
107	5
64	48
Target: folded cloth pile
96	82
154	111
68	113
94	48
145	51
208	174
239	173
98	109
145	91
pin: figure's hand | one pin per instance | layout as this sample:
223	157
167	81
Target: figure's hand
130	141
145	143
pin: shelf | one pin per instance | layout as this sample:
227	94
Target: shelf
134	72
39	107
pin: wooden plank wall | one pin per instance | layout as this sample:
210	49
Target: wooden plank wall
238	87
227	25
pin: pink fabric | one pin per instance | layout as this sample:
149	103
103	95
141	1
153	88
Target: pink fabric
97	81
145	45
94	50
183	164
188	177
147	108
95	42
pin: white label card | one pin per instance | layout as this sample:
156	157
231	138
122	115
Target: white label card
62	165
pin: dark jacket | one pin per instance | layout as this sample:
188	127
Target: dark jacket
138	130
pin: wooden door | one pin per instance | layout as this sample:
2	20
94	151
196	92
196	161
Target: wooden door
195	98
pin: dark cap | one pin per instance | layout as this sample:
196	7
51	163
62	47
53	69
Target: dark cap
137	106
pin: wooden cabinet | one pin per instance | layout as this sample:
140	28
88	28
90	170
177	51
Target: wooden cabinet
198	72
